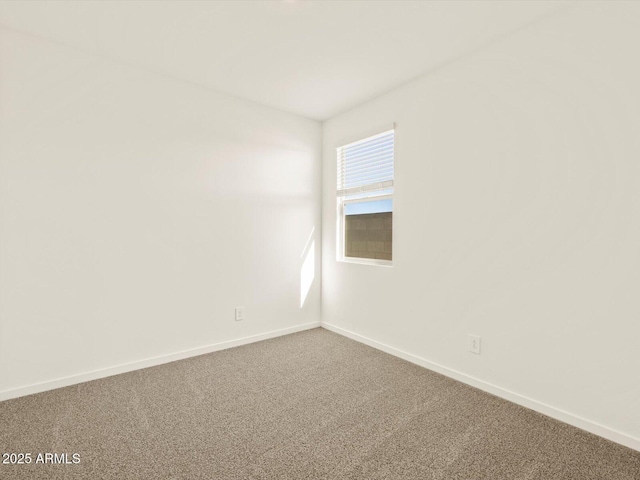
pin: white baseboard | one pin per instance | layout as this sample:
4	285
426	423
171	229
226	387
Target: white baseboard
149	362
548	410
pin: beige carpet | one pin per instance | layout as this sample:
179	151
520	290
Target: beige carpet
306	406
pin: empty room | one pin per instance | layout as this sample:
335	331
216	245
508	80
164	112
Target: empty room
316	239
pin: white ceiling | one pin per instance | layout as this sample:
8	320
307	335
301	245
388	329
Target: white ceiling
312	58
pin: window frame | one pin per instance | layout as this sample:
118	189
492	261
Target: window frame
342	201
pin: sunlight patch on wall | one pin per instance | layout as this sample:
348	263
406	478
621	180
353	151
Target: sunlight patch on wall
307	272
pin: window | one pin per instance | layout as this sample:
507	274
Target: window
365	200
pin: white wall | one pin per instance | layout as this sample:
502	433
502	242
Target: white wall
517	218
137	211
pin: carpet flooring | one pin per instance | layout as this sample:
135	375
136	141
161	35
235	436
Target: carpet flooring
312	405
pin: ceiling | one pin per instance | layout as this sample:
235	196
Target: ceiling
312	58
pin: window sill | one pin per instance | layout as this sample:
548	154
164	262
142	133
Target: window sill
367	261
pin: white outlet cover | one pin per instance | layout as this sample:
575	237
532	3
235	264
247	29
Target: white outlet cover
474	344
239	314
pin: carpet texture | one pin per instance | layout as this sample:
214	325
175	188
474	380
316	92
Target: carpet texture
312	405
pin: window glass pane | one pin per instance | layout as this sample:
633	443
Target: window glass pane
368	229
373	206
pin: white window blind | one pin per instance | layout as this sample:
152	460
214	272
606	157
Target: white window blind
366	165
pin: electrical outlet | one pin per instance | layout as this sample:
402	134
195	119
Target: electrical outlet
239	314
474	344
